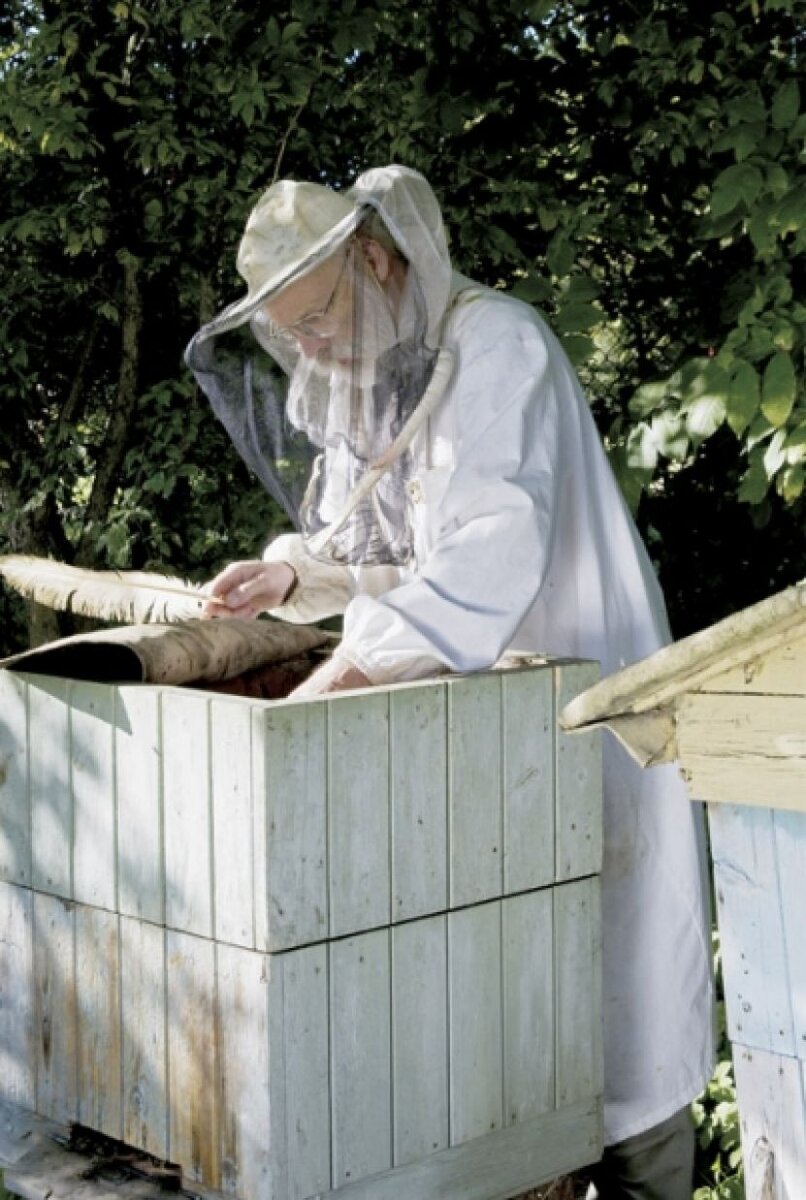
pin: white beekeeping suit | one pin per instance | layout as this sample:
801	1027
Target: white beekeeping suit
516	537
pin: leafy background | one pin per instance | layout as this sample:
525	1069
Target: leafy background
634	169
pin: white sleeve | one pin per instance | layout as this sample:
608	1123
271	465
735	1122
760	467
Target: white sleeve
321	589
495	522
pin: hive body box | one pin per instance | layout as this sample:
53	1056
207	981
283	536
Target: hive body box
349	946
729	703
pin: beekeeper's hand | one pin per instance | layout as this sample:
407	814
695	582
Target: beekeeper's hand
336	675
244	589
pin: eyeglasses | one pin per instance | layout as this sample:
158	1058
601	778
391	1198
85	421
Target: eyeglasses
320	324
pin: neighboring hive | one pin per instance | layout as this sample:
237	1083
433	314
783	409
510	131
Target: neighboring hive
730	704
348	945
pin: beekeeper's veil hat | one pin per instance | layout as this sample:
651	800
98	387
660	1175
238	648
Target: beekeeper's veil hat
315	430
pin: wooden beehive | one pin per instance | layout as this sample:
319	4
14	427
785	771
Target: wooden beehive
730	705
348	946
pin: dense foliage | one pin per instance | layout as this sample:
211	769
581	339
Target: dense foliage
636	170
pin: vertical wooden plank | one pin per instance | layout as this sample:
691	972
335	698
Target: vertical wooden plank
100	1041
92	707
528	953
305	1042
55	1009
475	785
141	884
528	766
15	809
291	815
419	1039
186	798
231	782
772	1106
143	1001
476	1021
578	999
16	996
360	1056
578	782
790	847
754	958
242	989
358	812
418	764
51	799
193	1060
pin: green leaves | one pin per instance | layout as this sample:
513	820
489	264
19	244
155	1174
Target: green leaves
778	389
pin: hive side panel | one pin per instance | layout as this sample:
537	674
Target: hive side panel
100	1041
231	784
16	996
290	750
476	1022
771	1091
528	981
51	798
92	727
141	883
193	1101
242	991
420	1039
578	996
475	786
790	847
306	1101
419	802
55	1009
754	957
579	783
358	812
143	1007
360	1050
15	809
528	766
186	792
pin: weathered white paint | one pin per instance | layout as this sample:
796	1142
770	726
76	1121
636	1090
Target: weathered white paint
577	974
419	995
56	1062
528	988
762	939
51	798
476	1022
527	744
186	795
17	1030
291	816
475	785
772	1091
144	1036
360	1039
232	824
15	811
418	783
578	843
358	812
269	970
744	749
99	1033
779	671
193	1059
92	730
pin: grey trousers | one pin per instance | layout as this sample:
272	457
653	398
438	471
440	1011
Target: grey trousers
655	1165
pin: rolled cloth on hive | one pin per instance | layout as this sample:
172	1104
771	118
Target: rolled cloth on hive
193	651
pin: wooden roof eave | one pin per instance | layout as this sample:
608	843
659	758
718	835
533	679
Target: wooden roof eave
638	703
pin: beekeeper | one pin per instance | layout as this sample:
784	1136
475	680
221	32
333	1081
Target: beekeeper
452	499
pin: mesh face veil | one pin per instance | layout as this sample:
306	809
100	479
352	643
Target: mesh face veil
320	372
